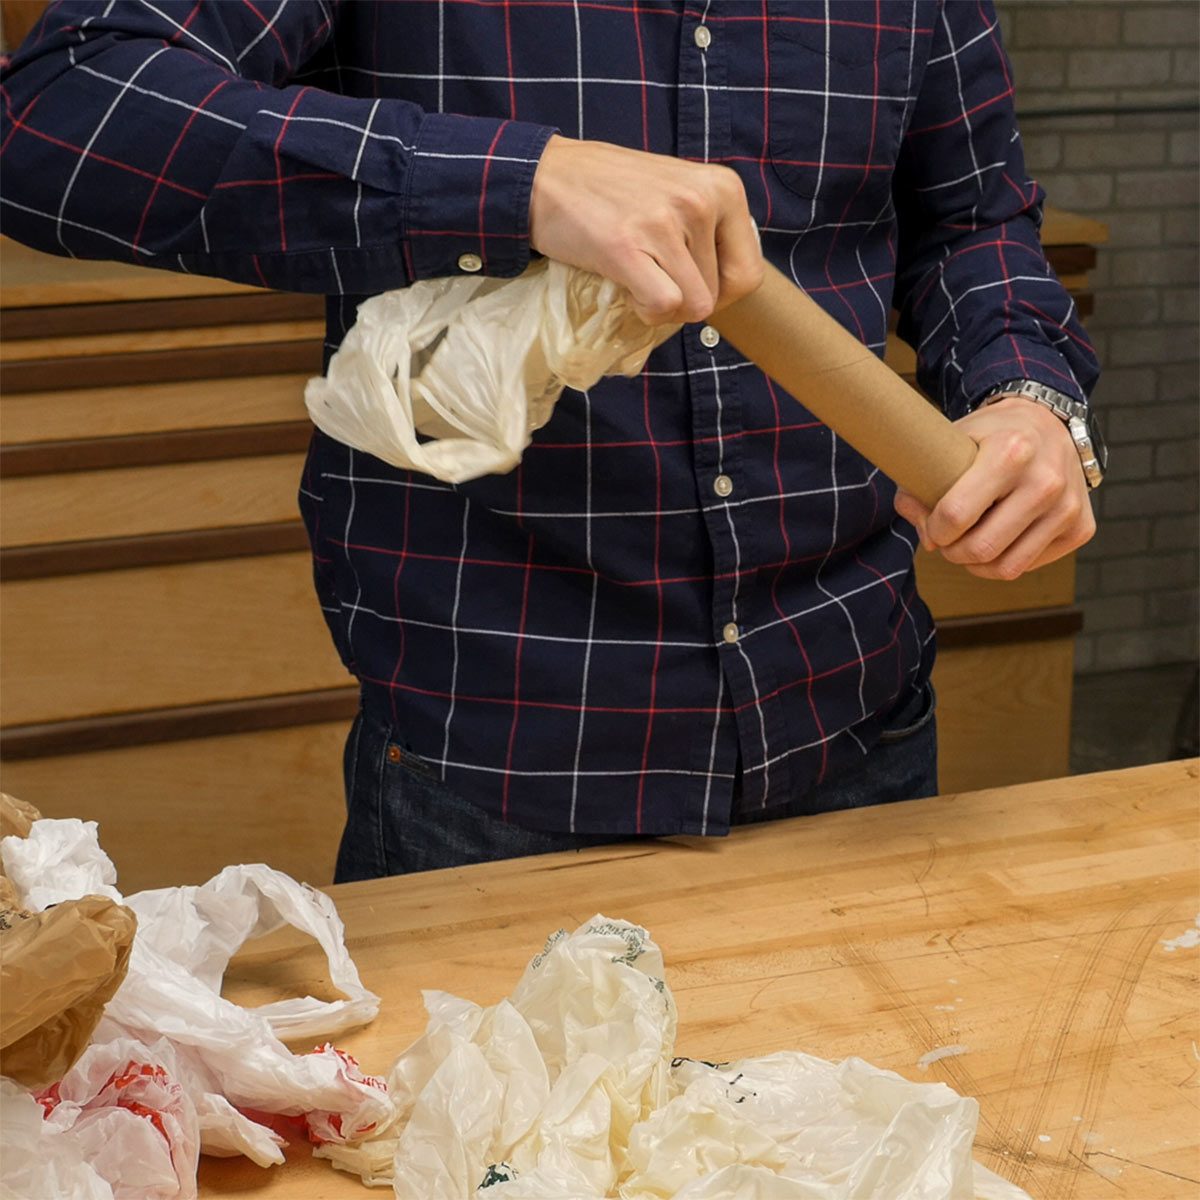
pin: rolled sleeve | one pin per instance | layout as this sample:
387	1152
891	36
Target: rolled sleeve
977	298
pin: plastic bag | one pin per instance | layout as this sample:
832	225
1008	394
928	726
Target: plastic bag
58	969
198	1062
569	1088
37	1160
475	364
123	1106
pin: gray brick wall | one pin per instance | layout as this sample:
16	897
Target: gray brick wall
1136	171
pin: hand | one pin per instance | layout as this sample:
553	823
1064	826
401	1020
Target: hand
1021	504
677	235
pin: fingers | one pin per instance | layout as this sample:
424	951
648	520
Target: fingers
1004	522
1022	503
738	252
676	234
1042	543
685	265
655	295
702	247
1000	463
915	513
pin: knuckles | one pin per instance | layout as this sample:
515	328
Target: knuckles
1047	486
740	279
1017	449
1011	569
950	520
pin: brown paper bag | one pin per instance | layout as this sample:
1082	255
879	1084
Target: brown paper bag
58	969
16	817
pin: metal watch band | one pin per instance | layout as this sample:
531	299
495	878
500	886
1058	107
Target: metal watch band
1077	416
1058	403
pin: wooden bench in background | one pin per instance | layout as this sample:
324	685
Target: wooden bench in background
166	669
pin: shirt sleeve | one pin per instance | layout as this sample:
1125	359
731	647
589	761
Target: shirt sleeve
977	299
167	134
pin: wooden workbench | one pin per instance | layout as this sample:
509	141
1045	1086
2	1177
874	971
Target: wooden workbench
1026	923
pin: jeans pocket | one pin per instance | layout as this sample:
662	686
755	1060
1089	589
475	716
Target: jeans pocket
361	852
912	717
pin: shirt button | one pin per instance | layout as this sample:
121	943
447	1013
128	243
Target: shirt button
469	262
730	632
709	336
703	36
723	485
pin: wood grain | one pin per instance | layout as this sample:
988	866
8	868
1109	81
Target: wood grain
950	591
71	320
136	500
151	550
162	366
29	277
150	408
19	17
1024	923
177	812
1062	228
146	341
154	449
213	718
122	641
1006	713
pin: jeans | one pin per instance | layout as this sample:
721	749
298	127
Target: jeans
401	817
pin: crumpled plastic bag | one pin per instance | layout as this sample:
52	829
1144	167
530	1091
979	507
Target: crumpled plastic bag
58	968
126	1111
188	1064
569	1088
35	1160
475	364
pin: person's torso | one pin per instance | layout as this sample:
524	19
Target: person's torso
688	577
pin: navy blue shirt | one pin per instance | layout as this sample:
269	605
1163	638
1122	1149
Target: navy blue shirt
689	581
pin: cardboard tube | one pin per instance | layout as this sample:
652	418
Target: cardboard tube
844	385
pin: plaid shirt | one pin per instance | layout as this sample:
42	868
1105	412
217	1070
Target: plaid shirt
690	595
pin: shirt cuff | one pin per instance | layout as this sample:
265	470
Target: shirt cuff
1005	360
469	186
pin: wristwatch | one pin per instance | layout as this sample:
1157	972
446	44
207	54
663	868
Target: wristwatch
1078	417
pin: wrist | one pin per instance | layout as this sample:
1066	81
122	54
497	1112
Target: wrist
1078	419
546	193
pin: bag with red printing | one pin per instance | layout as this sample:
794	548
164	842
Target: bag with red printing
173	1068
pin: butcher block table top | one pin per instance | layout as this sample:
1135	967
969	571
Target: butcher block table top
1030	924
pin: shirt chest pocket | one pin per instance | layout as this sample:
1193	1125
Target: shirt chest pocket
837	96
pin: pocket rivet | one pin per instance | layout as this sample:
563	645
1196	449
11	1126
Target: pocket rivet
394	754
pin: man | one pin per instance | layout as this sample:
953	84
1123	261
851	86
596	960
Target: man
691	605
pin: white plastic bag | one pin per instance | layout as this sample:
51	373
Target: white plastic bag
36	1159
124	1108
476	364
193	1058
569	1088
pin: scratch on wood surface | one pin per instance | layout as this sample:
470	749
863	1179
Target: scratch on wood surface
996	1136
920	1030
1083	1162
1089	1154
1100	1057
929	860
1031	1049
